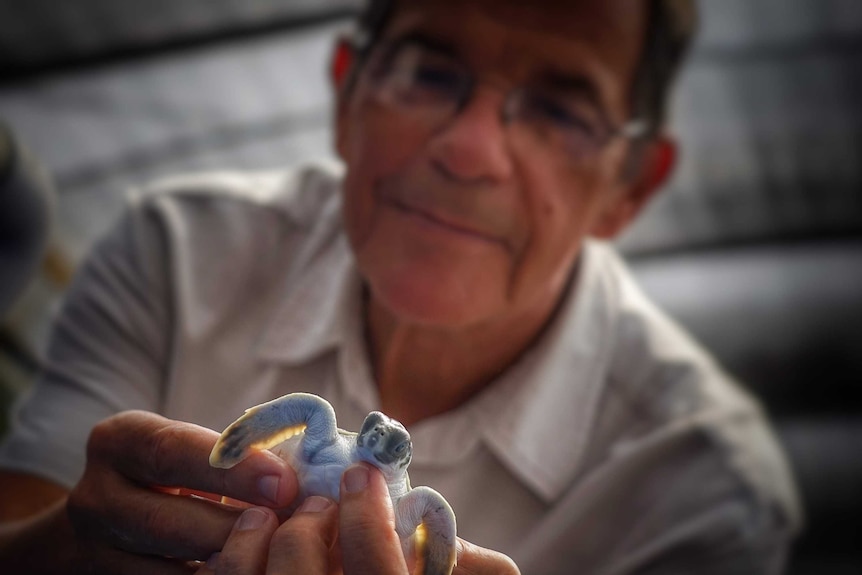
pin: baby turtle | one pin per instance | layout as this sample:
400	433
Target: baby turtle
301	429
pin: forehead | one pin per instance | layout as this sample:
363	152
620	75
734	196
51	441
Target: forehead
599	39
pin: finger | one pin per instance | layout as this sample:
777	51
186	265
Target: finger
475	560
112	510
302	544
153	450
369	544
246	548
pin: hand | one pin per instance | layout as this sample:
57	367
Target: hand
365	532
148	499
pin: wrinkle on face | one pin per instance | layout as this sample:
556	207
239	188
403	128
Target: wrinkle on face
541	210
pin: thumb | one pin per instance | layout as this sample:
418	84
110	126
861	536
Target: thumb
369	543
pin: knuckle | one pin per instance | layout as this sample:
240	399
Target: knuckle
358	537
101	437
159	446
230	563
364	525
153	522
300	536
116	430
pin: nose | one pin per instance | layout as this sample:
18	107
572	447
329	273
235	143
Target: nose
375	437
472	146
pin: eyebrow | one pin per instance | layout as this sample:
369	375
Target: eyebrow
425	41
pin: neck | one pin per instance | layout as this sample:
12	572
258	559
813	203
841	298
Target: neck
422	371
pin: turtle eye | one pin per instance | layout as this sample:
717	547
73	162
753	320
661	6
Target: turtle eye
401	448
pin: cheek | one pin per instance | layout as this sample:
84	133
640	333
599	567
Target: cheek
561	206
415	270
376	145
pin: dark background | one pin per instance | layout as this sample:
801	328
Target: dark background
756	247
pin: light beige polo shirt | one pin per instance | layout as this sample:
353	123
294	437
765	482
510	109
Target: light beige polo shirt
615	445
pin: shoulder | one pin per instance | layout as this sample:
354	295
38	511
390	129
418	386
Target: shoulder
666	394
653	361
297	195
208	222
213	242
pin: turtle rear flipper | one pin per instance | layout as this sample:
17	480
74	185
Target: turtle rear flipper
424	516
271	423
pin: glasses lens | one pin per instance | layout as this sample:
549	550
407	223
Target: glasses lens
419	78
432	86
562	124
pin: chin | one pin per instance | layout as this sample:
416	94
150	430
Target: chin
432	303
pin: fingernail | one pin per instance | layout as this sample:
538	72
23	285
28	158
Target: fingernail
355	479
212	562
251	519
268	487
314	504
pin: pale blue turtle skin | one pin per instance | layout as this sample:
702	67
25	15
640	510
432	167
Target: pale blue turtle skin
301	428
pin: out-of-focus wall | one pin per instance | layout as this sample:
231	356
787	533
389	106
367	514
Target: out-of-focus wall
756	245
770	127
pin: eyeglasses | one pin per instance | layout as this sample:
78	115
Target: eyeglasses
435	87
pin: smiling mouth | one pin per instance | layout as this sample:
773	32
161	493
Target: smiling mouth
439	222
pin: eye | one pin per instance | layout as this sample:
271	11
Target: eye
418	76
402	447
437	77
558	114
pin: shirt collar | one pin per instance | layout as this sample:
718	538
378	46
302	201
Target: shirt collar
536	418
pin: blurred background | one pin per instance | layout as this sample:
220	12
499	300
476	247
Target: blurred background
756	247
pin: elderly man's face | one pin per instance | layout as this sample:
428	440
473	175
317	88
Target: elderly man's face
461	218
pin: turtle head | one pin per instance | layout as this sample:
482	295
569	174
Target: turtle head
384	443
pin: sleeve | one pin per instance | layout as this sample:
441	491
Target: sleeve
108	351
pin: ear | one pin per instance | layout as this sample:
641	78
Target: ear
341	71
653	170
342	62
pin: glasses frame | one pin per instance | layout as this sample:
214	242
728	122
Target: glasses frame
386	53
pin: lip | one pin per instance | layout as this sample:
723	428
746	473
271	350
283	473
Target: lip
441	221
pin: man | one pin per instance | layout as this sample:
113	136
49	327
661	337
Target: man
447	279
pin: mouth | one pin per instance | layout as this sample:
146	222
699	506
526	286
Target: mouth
378	458
440	221
382	460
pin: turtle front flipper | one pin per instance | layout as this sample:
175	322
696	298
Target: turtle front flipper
271	423
424	517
